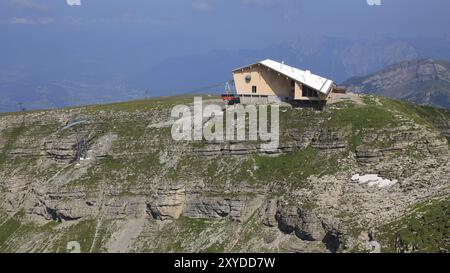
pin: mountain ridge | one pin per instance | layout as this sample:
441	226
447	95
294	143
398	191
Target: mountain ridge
422	81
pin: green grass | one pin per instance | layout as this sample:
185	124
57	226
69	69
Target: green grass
209	235
425	115
22	136
181	234
102	236
368	99
52	237
11	136
3	216
9	227
148	104
16	231
295	167
290	169
350	120
82	232
374	117
357	121
252	231
90	181
300	119
355	140
130	169
121	172
425	228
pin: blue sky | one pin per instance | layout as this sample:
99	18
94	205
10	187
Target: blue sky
124	33
47	46
181	27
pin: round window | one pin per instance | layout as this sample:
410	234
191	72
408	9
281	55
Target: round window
248	78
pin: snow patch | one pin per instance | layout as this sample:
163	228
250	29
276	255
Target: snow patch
373	180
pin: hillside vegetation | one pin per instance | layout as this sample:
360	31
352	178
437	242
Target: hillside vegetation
139	190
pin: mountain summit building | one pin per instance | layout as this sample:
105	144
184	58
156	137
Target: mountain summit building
270	81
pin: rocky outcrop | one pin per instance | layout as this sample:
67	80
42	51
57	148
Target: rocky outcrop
176	201
293	244
168	203
235	206
437	146
77	205
310	231
328	139
239	149
443	127
269	213
377	147
62	150
24	152
368	155
102	146
59	206
333	239
318	138
119	207
305	224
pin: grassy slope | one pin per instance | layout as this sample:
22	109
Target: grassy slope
291	169
425	228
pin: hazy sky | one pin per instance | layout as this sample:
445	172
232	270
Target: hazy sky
181	27
49	49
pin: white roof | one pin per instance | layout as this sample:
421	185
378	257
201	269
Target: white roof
318	83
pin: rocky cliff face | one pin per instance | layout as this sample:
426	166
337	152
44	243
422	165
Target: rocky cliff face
424	81
132	188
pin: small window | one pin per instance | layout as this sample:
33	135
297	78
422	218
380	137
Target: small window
253	89
309	92
292	83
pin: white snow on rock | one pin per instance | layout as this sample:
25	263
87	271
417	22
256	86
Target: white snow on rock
373	180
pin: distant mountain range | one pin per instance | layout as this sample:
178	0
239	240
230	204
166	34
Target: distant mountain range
422	81
90	76
336	58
